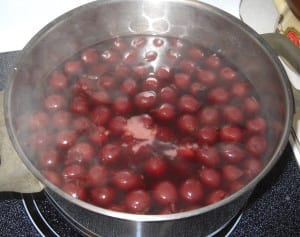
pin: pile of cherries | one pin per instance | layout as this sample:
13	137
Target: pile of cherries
148	125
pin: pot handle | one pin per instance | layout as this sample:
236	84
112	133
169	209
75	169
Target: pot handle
284	48
14	176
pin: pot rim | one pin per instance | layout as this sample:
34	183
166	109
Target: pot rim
164	217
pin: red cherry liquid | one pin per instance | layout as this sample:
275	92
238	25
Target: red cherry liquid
148	125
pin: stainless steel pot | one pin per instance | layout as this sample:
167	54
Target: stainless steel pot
188	19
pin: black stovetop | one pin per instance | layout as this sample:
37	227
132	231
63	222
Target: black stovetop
272	210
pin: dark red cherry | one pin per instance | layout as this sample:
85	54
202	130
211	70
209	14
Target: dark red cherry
97	175
145	100
81	152
55	102
126	180
156	167
165	193
138	201
211	178
75	190
103	196
58	81
90	56
110	153
191	191
208	156
187	123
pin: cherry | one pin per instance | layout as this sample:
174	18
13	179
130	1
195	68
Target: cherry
240	89
117	125
129	87
130	57
213	61
90	56
82	152
40	139
83	86
98	135
182	80
187	66
231	172
236	186
256	145
232	153
110	56
167	94
165	112
173	55
97	175
228	74
155	167
81	124
119	44
208	156
165	193
164	72
207	135
79	105
61	119
233	114
145	100
215	196
39	120
100	115
106	82
188	104
122	71
103	196
197	89
165	134
126	180
141	70
191	190
209	116
186	151
49	158
122	105
252	167
58	81
73	172
150	84
138	201
218	95
210	177
75	190
98	69
110	153
231	133
195	53
256	125
73	67
207	77
187	123
65	139
100	97
55	102
251	105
